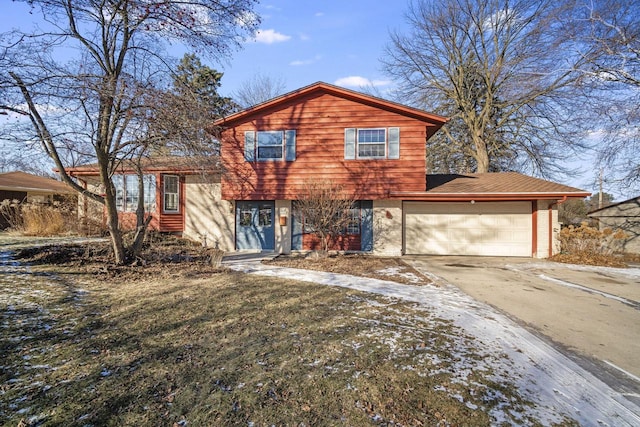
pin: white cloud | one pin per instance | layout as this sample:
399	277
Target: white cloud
271	36
300	62
319	14
359	81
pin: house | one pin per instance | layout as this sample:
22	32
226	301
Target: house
27	187
624	216
376	150
181	195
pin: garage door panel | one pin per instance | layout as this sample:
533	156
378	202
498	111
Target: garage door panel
492	229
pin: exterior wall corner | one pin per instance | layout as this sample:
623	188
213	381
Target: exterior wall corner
387	227
208	219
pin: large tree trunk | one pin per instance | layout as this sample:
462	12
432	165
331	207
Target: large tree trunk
113	223
481	154
142	223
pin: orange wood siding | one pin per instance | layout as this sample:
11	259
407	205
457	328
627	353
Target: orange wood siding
128	221
319	120
161	221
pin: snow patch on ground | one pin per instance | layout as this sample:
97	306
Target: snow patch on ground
557	385
399	272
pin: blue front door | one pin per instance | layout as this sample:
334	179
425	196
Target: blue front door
254	225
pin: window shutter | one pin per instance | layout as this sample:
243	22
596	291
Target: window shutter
350	143
394	143
290	145
250	146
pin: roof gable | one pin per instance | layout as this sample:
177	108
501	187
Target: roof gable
325	88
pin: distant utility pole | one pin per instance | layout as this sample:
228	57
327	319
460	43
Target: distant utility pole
600	193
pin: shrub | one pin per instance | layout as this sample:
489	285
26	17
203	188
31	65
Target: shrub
589	241
10	211
36	219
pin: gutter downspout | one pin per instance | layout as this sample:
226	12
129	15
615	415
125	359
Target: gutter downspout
550	209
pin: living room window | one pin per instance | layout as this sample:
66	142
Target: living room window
127	194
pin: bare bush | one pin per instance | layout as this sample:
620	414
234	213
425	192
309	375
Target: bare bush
324	210
10	211
37	219
591	242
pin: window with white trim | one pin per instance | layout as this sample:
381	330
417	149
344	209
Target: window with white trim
372	143
270	145
171	193
127	193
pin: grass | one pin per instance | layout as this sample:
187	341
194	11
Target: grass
223	348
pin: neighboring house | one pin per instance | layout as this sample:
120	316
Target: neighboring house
622	216
24	186
375	149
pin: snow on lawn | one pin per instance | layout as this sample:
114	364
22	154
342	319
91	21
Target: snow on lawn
557	385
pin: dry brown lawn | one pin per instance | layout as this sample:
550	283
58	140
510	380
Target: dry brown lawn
384	268
176	342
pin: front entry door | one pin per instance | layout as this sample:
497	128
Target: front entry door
254	225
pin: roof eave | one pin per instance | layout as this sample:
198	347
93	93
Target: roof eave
36	190
484	197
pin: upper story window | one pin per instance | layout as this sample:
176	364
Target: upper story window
171	193
372	143
270	145
128	194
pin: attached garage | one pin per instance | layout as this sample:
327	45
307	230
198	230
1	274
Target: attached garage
465	228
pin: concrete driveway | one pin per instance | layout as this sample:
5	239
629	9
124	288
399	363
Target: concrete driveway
592	314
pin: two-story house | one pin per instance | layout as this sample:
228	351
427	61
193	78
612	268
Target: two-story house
376	150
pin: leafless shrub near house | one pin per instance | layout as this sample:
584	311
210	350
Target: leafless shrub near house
10	211
40	219
590	243
324	209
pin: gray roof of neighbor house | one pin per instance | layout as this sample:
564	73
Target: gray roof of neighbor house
22	181
616	209
491	186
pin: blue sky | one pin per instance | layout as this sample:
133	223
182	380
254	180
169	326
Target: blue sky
301	42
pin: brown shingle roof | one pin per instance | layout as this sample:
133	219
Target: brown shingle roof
156	164
498	186
22	181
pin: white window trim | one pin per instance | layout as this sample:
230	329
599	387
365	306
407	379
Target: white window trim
164	194
386	143
282	146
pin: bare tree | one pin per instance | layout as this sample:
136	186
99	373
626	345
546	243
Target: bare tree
85	76
258	89
323	208
500	70
611	29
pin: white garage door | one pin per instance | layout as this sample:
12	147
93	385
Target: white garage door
487	228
